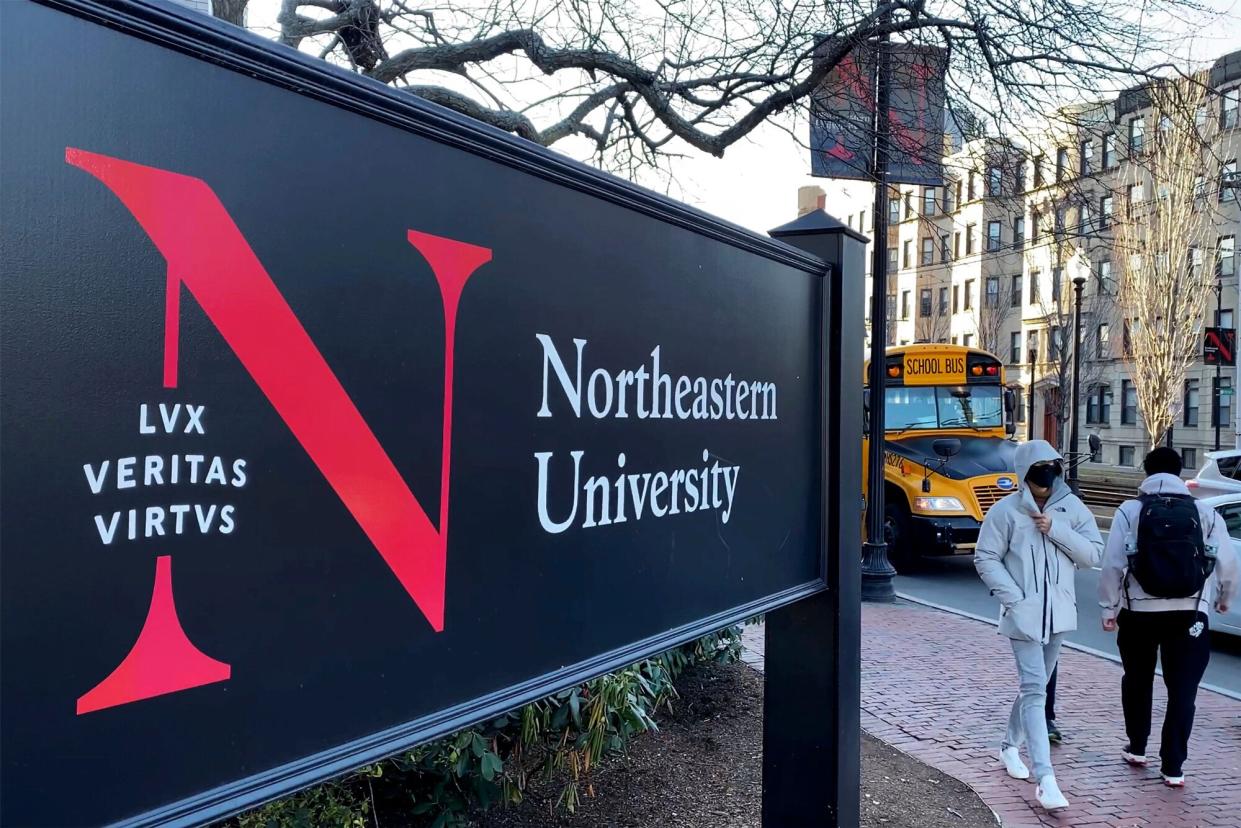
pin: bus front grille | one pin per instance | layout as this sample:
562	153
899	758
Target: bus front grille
988	496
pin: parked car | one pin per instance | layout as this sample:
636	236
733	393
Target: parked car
1221	474
1229	508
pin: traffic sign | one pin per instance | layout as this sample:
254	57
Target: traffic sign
1219	346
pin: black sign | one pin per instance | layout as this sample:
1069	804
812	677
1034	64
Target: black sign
1219	346
333	422
842	112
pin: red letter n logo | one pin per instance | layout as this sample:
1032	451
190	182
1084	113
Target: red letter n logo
207	253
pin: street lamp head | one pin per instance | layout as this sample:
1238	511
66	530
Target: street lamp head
1079	281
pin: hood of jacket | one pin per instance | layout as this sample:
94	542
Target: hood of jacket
1037	451
1163	483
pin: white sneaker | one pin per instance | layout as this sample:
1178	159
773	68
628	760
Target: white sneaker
1173	781
1138	760
1049	796
1013	764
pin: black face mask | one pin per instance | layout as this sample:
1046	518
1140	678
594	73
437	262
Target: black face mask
1043	475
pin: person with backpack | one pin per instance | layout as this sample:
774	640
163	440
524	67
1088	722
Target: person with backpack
1029	547
1168	559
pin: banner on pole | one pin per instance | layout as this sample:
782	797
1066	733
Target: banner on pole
842	115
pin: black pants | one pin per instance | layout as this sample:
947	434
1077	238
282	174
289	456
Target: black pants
1051	695
1170	636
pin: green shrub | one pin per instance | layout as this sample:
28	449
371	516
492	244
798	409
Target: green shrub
439	783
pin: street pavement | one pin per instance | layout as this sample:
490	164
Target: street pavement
939	686
953	582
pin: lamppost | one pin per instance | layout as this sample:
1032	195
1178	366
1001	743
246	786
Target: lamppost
877	571
1215	395
1079	281
1030	395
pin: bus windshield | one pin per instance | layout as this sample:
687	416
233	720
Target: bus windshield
944	406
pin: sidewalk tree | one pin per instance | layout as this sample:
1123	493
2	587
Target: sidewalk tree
1164	242
633	83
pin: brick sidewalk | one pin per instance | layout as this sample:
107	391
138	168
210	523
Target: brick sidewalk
939	687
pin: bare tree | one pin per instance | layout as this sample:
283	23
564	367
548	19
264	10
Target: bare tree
992	322
1057	369
1162	241
635	82
934	327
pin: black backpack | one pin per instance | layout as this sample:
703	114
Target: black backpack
1170	560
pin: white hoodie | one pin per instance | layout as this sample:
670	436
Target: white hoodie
1112	587
1032	573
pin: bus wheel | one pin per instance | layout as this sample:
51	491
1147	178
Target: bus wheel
896	535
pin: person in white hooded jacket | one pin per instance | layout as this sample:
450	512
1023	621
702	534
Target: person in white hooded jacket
1177	630
1029	547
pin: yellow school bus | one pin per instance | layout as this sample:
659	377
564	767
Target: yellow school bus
948	454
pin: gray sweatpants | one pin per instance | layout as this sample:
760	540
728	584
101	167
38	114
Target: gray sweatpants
1027	722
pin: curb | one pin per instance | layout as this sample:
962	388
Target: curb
1069	644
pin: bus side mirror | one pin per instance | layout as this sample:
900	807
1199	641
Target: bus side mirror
1010	406
866	410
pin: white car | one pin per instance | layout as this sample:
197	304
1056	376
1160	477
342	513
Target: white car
1221	474
1229	508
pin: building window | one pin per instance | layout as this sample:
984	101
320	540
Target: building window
1126	338
1059	222
1084	157
891	310
861	221
993	291
995	181
1222	413
1015	298
1137	134
894	210
956	298
1228	107
1136	193
1109	151
958	202
924	302
943	300
969	293
904	304
1062	163
1126	456
1104	275
1228	180
993	236
1190	415
1020	183
1085	222
1020	414
1056	284
907	253
1105	212
1223	318
893	261
928	201
1102	345
1200	188
1019	232
909	204
1034	274
1055	342
968	340
1034	226
1099	405
1189	458
971	190
928	251
945	251
1128	403
1032	346
969	238
956	245
1225	261
1038	171
1014	347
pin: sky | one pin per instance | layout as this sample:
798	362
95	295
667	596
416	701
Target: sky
755	184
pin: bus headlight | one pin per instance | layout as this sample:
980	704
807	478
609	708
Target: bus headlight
938	504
